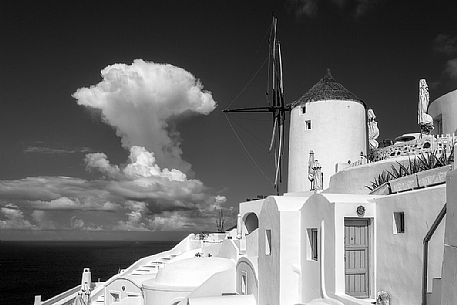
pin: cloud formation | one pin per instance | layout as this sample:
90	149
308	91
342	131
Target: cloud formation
310	8
301	8
152	190
53	151
445	44
136	196
451	68
142	100
11	217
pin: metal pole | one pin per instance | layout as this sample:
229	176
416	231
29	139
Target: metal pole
427	238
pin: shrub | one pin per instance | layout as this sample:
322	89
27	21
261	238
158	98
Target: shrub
423	162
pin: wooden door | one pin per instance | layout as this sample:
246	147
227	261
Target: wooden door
356	257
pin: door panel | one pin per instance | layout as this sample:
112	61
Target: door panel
356	255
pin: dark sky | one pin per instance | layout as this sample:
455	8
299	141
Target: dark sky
378	49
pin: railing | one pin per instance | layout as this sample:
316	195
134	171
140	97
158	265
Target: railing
63	295
427	238
209	236
363	160
430	143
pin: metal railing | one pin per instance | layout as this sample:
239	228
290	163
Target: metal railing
427	238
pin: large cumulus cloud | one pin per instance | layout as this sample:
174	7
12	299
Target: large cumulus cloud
141	101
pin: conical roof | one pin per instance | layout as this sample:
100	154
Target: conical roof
326	89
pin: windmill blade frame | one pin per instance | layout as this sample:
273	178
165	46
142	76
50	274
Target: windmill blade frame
276	105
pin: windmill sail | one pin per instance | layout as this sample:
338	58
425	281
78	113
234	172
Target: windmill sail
276	105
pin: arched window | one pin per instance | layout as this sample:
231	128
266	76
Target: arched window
251	222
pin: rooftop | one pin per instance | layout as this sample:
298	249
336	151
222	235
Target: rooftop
326	89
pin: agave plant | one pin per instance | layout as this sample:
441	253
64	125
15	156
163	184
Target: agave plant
423	162
380	180
433	160
414	166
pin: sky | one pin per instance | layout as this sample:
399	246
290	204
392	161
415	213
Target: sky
111	111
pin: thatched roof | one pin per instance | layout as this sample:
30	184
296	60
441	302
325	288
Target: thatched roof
326	89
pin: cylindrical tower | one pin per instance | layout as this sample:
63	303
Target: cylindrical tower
444	113
331	121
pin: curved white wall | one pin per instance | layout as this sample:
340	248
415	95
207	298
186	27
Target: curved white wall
446	107
337	134
269	265
245	267
125	288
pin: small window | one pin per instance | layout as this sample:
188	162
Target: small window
307	124
115	296
399	222
303	109
438	124
267	242
313	244
244	281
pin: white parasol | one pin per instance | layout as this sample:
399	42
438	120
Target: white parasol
424	120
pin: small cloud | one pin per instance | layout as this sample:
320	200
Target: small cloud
76	223
67	204
362	7
451	68
11	217
445	44
53	150
301	8
47	150
310	8
99	162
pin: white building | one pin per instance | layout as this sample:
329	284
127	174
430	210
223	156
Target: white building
330	121
343	245
444	112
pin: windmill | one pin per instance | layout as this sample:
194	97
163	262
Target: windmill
276	105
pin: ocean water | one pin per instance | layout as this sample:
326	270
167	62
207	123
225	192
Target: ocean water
49	268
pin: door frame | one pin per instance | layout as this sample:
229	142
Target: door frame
370	271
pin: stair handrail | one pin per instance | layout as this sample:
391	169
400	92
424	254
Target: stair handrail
427	238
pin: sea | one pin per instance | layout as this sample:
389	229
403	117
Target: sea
49	268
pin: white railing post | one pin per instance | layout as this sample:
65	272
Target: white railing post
454	167
239	227
37	300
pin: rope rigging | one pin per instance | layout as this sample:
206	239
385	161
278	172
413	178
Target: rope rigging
248	83
247	151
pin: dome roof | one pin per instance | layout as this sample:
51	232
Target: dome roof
326	89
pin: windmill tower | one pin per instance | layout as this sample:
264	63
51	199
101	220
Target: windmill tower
330	121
